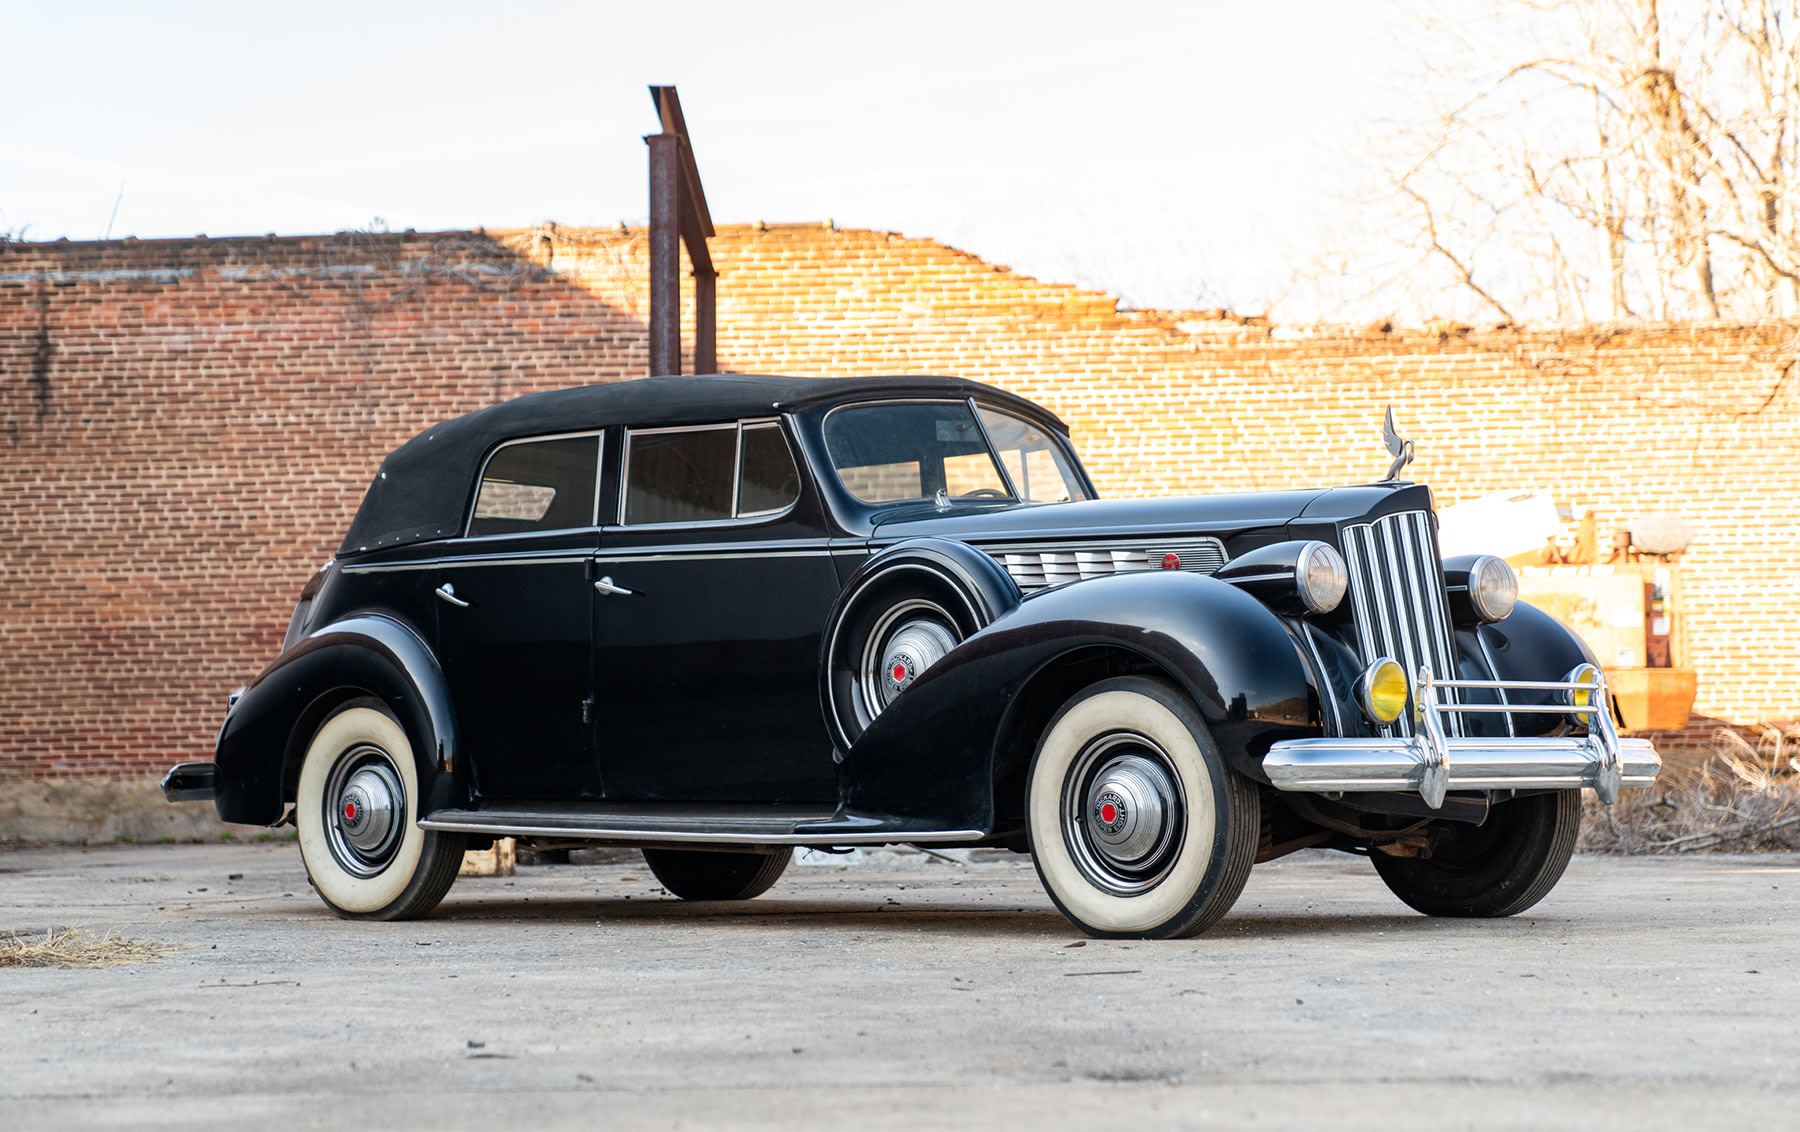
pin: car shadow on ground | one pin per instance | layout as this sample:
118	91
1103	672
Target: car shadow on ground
871	914
875	914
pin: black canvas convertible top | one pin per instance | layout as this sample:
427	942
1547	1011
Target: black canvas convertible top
422	490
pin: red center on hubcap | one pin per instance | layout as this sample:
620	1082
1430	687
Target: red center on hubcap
350	811
899	673
1109	813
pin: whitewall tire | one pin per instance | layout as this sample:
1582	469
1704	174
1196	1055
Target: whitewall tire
1138	827
356	807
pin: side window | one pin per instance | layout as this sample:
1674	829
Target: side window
1039	470
539	485
767	478
680	477
689	475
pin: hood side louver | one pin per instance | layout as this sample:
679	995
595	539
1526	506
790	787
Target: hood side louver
1038	566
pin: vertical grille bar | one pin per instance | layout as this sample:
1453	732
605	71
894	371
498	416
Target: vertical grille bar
1397	598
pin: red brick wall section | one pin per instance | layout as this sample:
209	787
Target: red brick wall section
188	426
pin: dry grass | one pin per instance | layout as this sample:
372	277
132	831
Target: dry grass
1746	799
73	947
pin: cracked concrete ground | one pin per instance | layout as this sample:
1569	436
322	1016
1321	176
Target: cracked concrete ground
899	992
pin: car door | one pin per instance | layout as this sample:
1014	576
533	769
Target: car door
514	604
710	596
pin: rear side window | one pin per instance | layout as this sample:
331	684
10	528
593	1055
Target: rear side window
768	481
538	485
703	475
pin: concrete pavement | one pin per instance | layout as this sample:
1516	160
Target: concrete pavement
900	992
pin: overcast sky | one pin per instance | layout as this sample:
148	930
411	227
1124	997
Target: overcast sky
1176	154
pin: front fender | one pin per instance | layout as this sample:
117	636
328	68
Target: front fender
937	751
1529	645
265	735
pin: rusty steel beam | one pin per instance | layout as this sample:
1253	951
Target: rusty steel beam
665	253
678	216
706	329
668	110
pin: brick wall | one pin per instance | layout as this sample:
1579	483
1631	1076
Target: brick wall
188	426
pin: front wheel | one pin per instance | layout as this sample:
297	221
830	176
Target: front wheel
698	874
1498	868
357	811
1138	827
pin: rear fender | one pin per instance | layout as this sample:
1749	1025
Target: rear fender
265	735
973	719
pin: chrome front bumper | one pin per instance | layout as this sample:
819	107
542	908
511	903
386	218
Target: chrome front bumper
1433	764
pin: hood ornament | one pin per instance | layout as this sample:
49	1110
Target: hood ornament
1401	450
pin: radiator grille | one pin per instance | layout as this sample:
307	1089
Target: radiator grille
1038	566
1397	596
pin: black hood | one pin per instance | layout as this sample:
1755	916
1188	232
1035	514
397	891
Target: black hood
1241	522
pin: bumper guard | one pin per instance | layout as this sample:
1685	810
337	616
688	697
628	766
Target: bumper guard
190	782
1433	764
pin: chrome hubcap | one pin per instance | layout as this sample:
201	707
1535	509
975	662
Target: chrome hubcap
909	638
365	810
1128	808
917	646
1123	811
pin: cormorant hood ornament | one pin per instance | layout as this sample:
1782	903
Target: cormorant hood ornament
1401	450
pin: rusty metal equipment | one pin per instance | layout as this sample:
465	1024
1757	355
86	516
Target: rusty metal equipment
678	215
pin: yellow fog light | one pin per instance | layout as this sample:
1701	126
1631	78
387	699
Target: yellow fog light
1382	690
1582	674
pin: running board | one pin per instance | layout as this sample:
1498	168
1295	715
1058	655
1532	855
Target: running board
692	824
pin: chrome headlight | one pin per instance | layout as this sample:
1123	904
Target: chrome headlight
1493	588
1321	577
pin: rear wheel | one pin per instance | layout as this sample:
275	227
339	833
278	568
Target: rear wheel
700	875
1498	868
1138	827
356	809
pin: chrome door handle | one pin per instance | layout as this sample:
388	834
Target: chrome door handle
606	587
448	593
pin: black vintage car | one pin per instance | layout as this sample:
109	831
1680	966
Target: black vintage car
720	617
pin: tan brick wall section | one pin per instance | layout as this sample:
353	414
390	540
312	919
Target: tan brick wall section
188	426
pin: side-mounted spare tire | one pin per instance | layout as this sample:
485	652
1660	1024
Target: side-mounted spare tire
356	807
901	613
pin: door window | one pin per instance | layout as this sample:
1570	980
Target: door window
538	485
680	476
704	475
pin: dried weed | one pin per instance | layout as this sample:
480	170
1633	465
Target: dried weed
1746	799
74	947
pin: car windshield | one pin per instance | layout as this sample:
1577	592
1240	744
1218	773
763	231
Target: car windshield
898	451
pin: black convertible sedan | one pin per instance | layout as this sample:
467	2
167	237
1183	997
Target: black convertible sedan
719	617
